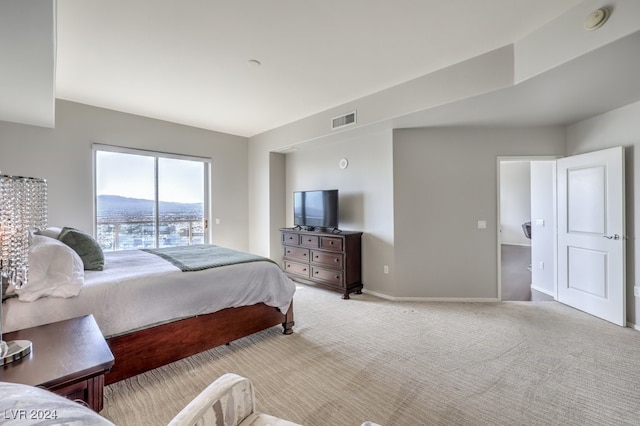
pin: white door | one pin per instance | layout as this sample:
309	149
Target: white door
591	243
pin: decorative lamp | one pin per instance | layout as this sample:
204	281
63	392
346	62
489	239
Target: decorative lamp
23	209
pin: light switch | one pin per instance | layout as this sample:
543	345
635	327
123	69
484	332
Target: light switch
482	224
539	222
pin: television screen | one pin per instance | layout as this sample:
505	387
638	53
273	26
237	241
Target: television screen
316	208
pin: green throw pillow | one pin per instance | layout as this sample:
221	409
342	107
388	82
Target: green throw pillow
86	246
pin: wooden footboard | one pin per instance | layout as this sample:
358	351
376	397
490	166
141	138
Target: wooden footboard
153	347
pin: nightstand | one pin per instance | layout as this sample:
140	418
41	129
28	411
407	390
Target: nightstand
68	358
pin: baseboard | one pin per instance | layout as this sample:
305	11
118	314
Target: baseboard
543	291
632	325
428	299
454	299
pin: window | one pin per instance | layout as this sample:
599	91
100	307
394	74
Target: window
148	199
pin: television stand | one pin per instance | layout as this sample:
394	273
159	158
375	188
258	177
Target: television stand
324	259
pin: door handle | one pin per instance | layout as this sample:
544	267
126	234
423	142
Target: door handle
612	237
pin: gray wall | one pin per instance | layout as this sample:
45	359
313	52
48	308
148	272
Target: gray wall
619	127
445	182
417	195
366	196
63	156
27	74
485	73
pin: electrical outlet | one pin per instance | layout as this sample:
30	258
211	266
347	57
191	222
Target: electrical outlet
385	269
636	291
541	265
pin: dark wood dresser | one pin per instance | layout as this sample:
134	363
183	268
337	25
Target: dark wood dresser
328	260
68	357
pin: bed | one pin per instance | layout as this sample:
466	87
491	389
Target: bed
150	311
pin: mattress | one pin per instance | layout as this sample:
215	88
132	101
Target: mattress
138	290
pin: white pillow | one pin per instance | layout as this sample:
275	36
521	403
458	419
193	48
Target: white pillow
52	232
55	270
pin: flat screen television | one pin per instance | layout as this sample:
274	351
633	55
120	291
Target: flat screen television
313	209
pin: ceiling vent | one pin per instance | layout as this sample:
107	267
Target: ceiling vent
343	120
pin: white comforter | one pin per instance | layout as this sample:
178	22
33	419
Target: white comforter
138	289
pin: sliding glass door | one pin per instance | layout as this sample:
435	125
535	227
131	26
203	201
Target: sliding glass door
148	199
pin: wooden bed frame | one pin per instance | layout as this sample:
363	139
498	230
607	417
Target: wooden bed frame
150	348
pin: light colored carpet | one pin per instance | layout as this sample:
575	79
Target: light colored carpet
409	363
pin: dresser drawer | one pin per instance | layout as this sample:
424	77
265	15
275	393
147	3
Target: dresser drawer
331	243
291	239
296	269
331	277
331	260
334	260
309	241
296	253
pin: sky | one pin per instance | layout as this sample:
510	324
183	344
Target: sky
132	176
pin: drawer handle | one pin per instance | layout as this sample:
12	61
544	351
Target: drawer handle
337	277
337	260
304	254
331	242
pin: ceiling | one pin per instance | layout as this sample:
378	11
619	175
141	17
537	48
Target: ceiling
591	84
186	61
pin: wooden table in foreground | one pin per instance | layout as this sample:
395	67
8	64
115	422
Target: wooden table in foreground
68	358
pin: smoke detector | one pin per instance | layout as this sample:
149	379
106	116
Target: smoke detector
596	19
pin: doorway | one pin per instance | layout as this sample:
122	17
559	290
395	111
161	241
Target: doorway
577	231
526	219
515	220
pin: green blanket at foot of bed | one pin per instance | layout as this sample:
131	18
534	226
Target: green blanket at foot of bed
204	256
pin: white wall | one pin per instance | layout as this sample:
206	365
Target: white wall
63	156
365	196
543	226
620	127
445	182
565	38
515	201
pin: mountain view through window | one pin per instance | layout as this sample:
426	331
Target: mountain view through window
147	201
